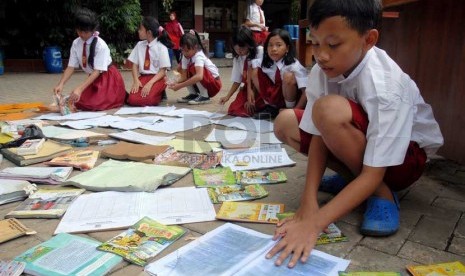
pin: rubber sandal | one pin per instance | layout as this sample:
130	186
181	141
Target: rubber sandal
332	184
381	217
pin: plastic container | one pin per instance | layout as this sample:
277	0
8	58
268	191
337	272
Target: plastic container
52	59
219	49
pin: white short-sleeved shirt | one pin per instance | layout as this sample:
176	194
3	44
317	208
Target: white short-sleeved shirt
254	16
200	60
296	68
238	65
159	56
102	58
396	111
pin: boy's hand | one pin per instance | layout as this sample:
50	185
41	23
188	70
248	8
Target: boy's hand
297	236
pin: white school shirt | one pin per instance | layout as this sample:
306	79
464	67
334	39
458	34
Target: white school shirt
238	65
159	56
200	60
296	68
396	111
254	16
102	58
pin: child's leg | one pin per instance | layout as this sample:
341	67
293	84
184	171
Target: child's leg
193	93
290	90
286	129
203	97
154	96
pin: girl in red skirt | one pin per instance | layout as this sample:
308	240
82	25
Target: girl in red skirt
280	77
244	51
198	73
104	86
150	59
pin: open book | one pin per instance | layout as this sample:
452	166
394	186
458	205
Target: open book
234	250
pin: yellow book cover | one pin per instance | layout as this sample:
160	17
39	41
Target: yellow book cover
446	269
250	211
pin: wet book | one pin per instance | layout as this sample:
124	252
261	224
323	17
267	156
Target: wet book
215	177
260	177
446	269
236	193
250	211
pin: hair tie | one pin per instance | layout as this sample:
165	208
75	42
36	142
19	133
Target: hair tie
192	32
96	33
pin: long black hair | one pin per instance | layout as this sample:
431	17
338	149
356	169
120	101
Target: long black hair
244	38
86	20
151	24
288	58
191	40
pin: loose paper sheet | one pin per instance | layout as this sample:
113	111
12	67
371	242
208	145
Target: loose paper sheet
73	116
249	124
177	125
235	136
160	110
141	138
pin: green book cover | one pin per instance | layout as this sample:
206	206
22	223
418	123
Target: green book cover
213	177
367	273
260	177
143	240
236	193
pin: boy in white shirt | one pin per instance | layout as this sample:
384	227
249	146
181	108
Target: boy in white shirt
365	114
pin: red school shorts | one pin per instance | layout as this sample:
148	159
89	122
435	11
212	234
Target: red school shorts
397	177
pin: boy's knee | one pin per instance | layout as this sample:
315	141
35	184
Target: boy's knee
281	124
331	109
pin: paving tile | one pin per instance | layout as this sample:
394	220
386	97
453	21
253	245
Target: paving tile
366	259
457	246
438	238
422	254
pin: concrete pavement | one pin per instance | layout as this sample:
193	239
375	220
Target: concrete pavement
432	210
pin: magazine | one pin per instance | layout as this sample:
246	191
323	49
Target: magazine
446	269
260	177
236	193
213	177
191	160
143	240
250	211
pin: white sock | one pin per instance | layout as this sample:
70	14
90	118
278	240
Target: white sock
203	91
290	104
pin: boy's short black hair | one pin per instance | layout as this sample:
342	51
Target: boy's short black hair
361	15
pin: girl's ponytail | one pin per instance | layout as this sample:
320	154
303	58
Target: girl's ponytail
92	49
164	38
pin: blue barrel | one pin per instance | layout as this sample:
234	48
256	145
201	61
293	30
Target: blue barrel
52	59
219	49
295	31
2	68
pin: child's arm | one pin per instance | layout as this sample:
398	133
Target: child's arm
232	90
302	101
198	76
148	86
64	78
135	78
76	93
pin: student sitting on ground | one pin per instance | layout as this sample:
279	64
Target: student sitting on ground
198	73
279	76
104	86
244	51
364	115
150	59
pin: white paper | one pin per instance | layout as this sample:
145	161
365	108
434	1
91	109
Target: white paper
177	125
110	210
249	124
52	175
67	134
73	116
234	250
103	121
183	112
235	136
266	156
160	110
141	138
136	122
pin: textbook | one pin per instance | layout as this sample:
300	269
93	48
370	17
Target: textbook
135	152
66	254
331	234
11	268
236	193
250	211
46	175
13	190
446	269
11	228
49	150
80	159
260	177
65	105
235	250
213	177
31	146
369	273
46	203
143	240
192	160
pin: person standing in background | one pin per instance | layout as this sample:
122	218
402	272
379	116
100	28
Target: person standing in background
255	20
175	32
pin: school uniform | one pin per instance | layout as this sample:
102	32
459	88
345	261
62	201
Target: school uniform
210	85
239	75
150	58
399	126
107	91
270	80
257	16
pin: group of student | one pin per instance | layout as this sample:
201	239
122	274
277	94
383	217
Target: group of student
356	111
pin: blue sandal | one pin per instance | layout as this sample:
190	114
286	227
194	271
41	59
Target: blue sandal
332	184
381	217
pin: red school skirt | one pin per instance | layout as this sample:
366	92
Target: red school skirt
212	84
154	96
237	107
106	92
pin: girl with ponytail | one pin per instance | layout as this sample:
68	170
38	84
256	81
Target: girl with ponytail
104	86
150	60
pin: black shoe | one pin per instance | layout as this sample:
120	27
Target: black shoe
269	112
187	98
199	100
